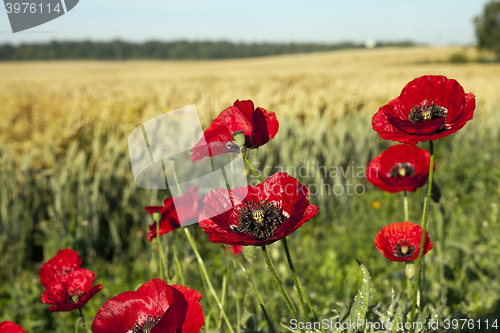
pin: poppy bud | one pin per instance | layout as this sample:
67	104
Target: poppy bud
410	270
153	265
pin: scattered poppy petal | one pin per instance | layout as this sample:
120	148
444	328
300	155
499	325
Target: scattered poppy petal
236	249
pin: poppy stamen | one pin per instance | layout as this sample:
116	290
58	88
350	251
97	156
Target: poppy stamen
402	169
146	326
74	296
74	299
427	112
258	215
404	249
260	220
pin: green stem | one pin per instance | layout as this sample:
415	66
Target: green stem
207	279
250	167
82	317
408	279
278	283
409	289
424	229
77	322
166	264
300	291
439	249
200	260
298	286
255	291
223	297
405	202
160	248
178	264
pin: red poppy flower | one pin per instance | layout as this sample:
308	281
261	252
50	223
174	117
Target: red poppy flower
187	204
70	291
257	125
260	215
155	307
401	241
400	167
429	108
10	327
65	261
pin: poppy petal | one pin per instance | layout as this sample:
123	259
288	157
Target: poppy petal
63	262
185	315
10	327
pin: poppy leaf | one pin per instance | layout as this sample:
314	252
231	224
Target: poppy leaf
362	299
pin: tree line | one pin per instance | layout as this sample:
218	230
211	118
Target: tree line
122	50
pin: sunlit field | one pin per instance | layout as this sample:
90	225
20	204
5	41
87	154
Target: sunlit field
66	182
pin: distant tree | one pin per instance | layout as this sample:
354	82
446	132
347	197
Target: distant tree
122	50
488	28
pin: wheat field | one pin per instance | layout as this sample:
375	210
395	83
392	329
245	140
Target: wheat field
67	182
56	101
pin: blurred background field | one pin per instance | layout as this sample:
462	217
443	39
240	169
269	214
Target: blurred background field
66	178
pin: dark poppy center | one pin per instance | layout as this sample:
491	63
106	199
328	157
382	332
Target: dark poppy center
427	111
260	219
402	169
74	299
145	324
404	249
74	296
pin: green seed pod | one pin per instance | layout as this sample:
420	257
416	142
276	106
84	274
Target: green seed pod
153	265
239	138
410	270
157	216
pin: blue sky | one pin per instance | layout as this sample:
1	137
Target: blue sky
440	22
